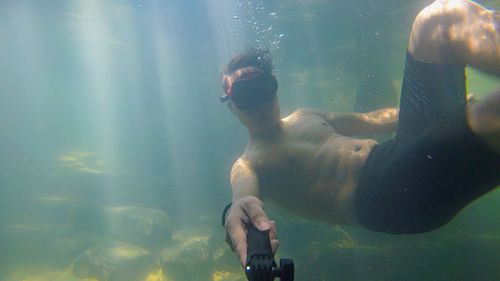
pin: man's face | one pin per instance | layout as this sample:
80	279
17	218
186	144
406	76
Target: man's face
251	90
263	111
258	117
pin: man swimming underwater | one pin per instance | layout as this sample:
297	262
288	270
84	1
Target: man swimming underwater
445	153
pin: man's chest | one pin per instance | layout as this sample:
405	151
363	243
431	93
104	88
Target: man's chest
291	162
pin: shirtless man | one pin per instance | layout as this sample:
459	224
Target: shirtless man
445	154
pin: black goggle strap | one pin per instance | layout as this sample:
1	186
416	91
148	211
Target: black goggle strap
224	98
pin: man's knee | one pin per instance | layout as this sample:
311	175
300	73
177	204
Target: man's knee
431	38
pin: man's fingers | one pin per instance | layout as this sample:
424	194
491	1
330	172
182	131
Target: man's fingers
273	236
237	238
240	249
260	220
274	245
257	216
272	231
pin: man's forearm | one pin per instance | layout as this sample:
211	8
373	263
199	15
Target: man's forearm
244	181
376	122
385	119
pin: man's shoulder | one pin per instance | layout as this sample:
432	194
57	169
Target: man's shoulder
299	113
243	162
305	112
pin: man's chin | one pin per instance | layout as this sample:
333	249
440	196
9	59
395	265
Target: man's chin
263	117
259	110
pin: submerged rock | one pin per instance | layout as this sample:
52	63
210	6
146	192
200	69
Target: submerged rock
28	242
157	275
149	228
87	218
112	261
53	209
58	200
228	276
142	226
44	274
188	259
199	253
25	232
339	255
192	250
343	260
66	248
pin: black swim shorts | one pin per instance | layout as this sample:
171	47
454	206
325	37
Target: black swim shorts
435	166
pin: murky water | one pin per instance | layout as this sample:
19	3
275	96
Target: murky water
115	150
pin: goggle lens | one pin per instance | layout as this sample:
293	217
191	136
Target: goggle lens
251	93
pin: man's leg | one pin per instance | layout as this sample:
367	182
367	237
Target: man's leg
438	163
463	32
457	32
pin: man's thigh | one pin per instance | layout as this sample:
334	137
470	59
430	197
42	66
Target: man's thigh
419	185
430	91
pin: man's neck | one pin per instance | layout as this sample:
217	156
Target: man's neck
268	132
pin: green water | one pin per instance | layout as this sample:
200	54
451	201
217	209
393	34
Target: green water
115	150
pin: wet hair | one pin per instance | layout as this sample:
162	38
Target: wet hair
256	57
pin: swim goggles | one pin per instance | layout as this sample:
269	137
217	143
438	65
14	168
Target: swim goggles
249	87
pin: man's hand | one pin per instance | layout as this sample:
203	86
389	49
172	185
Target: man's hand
243	211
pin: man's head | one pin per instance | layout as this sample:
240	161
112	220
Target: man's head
248	82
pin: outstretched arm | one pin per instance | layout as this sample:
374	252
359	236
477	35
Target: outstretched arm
244	181
246	208
349	124
376	122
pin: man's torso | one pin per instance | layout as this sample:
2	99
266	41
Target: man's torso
309	168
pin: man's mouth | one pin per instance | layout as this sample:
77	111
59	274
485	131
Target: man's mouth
261	108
